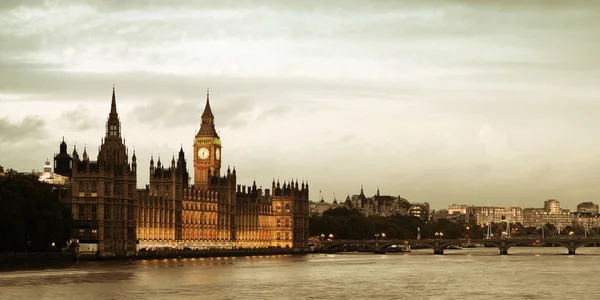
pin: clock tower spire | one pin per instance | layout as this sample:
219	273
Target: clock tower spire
207	149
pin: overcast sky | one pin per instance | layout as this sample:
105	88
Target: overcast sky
475	102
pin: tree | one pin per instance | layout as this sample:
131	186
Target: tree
31	216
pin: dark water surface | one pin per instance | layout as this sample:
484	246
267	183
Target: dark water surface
527	273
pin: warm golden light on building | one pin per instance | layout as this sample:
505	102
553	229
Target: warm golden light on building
216	212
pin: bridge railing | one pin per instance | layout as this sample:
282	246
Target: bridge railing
515	237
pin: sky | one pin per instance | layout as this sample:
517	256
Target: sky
467	102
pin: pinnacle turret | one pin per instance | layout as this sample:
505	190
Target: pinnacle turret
85	155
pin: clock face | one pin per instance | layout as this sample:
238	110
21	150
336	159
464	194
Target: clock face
218	154
203	153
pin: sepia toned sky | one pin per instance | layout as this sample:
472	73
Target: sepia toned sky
474	102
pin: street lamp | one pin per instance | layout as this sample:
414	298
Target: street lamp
322	236
331	236
383	235
377	236
439	235
571	235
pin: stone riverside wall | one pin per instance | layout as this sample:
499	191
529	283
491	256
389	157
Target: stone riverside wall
39	261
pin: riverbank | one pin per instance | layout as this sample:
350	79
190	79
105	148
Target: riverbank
37	261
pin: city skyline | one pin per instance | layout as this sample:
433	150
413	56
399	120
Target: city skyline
362	95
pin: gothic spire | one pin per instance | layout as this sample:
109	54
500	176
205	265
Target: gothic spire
113	104
181	154
207	126
113	125
207	111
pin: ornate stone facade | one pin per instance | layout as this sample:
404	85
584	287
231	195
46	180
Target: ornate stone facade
214	212
102	192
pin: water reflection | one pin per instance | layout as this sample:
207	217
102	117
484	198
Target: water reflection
527	273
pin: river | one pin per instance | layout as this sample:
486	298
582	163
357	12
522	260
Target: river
526	273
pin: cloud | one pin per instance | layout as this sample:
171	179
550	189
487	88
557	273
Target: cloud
80	119
171	114
440	101
294	40
231	111
347	138
165	113
31	128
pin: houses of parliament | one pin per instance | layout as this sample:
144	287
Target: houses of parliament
112	216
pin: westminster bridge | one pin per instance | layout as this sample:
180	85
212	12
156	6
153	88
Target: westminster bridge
438	245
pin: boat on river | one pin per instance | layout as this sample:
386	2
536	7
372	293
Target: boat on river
398	248
454	247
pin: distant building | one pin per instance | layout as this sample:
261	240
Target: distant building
317	208
455	217
50	177
550	214
47	176
587	207
585	220
419	210
384	205
457	209
1	171
439	214
483	215
586	215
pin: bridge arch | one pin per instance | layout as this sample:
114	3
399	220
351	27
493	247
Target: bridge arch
569	244
438	245
573	245
581	244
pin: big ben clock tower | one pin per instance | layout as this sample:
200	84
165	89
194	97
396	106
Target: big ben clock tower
207	149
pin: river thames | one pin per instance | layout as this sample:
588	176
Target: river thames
526	273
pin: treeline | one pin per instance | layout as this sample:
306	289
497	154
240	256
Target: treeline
31	216
346	223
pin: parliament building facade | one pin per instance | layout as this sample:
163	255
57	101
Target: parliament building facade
112	216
